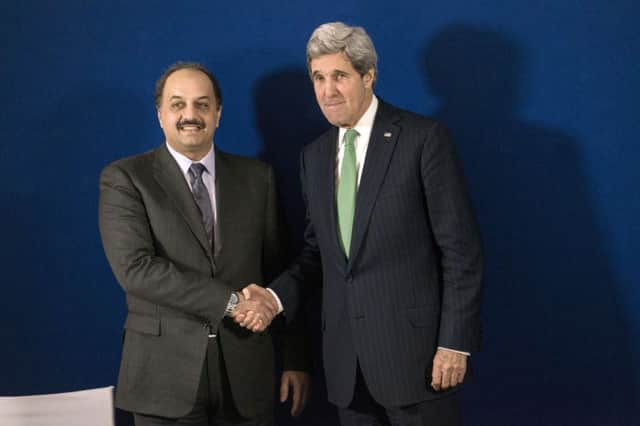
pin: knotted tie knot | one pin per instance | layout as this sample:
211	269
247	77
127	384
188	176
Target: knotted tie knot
195	172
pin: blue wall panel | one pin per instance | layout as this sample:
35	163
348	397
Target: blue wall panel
540	96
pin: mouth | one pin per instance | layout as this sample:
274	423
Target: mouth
190	126
334	104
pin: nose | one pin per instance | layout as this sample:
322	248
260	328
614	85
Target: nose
330	88
189	111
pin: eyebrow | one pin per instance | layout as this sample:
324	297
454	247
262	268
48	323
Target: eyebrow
204	97
332	72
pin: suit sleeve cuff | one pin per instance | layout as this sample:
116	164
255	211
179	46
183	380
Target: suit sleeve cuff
453	350
275	296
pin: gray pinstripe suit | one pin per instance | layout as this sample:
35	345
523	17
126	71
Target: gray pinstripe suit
413	278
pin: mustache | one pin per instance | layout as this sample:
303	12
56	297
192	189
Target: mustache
194	122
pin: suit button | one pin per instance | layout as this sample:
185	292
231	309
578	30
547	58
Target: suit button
349	278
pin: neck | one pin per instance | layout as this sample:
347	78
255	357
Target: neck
194	154
365	106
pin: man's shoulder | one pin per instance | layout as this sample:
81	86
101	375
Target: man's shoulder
405	117
329	136
242	161
241	168
138	167
133	162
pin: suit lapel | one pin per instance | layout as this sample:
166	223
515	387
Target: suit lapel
229	196
328	155
382	143
168	174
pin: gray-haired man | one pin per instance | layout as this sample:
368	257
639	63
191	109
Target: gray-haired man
391	231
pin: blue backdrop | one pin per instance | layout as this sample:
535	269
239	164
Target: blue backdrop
539	96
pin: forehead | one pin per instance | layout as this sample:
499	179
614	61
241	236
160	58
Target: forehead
326	64
188	83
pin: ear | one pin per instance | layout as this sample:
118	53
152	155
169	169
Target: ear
219	115
159	117
369	78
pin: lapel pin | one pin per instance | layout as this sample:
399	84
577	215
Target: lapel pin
387	135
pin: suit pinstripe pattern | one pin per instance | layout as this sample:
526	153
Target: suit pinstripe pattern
413	278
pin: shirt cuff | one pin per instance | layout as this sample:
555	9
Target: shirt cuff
275	296
453	350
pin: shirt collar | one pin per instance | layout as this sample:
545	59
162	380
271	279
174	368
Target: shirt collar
184	162
365	124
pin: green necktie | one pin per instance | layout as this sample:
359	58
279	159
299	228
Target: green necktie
347	185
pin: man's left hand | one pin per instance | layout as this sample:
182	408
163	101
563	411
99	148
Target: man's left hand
449	369
299	382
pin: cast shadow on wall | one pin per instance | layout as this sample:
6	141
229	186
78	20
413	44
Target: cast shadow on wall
556	344
288	117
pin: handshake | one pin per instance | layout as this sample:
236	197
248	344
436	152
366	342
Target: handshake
256	308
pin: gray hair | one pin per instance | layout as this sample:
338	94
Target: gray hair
337	37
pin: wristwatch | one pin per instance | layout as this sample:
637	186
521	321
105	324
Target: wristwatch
231	305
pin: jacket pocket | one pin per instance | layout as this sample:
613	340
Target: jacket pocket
142	324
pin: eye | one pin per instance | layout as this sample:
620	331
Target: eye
177	105
202	106
318	78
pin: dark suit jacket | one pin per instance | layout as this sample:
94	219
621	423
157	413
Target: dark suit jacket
177	289
413	278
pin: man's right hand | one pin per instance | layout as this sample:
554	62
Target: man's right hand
256	309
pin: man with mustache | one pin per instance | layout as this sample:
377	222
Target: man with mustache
181	233
392	235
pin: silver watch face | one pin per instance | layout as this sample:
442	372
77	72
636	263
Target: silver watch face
234	298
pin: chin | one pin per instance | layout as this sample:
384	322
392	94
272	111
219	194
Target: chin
336	121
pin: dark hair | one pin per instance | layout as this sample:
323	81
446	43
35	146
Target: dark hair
188	66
